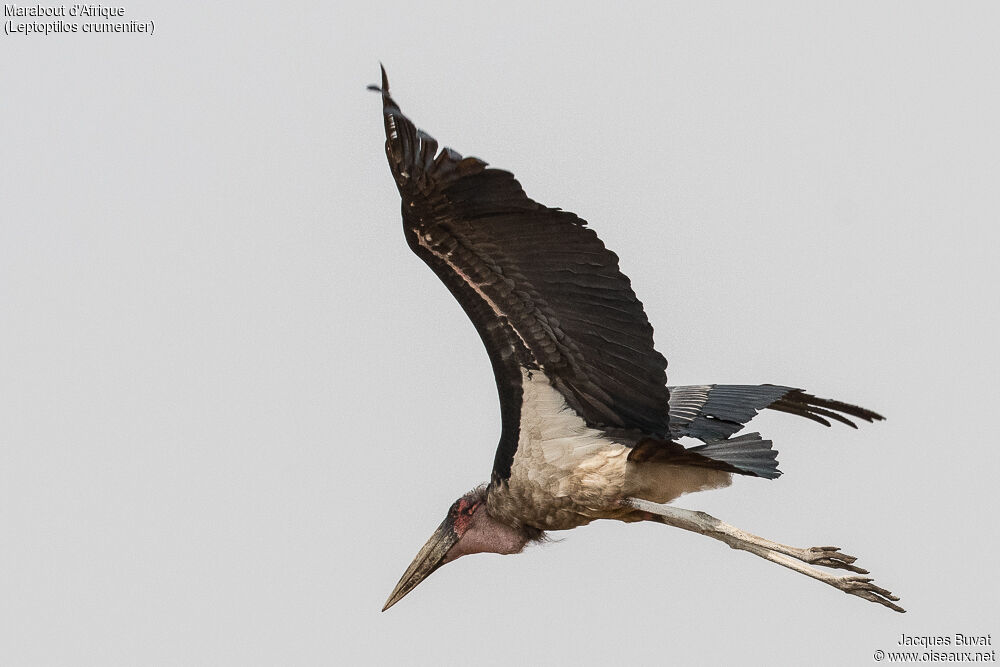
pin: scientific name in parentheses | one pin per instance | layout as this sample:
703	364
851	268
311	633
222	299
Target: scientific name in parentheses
62	10
112	20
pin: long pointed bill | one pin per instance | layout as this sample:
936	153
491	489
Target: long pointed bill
430	557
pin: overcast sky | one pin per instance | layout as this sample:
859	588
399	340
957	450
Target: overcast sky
233	405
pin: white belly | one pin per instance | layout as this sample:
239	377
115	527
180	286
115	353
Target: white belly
564	473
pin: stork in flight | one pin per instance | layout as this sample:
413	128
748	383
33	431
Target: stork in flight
590	429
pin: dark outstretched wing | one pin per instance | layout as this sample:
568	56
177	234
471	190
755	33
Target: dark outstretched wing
716	411
540	287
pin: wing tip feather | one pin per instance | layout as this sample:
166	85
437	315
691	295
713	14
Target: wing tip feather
384	88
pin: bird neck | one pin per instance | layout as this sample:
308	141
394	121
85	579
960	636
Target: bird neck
502	508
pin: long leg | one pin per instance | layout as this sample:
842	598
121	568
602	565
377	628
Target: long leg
790	557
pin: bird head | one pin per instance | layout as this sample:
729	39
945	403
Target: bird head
468	528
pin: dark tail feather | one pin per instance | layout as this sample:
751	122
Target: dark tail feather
748	454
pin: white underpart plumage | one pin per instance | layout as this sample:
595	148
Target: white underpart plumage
553	436
566	474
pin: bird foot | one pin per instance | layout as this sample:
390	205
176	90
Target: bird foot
862	587
865	589
829	557
794	558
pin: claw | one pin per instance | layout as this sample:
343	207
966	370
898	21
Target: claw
865	589
832	557
842	556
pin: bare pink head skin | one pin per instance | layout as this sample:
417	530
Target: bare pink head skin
467	529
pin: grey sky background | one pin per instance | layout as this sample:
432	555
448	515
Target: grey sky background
233	405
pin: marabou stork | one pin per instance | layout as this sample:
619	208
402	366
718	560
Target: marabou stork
590	429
